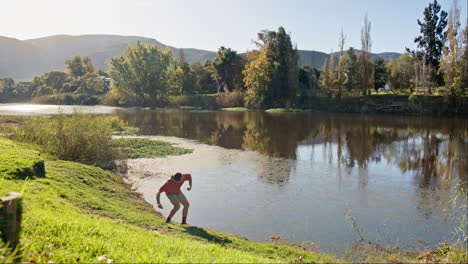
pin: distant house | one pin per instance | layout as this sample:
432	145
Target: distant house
23	85
107	81
387	87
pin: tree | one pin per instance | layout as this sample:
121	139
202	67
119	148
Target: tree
352	70
308	81
401	71
365	64
452	59
55	80
281	76
140	74
324	76
79	66
464	67
204	83
432	38
380	74
341	78
258	79
103	73
285	66
175	81
91	84
227	68
7	87
331	79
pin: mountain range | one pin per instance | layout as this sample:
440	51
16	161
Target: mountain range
24	59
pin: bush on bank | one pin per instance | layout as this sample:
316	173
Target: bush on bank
79	137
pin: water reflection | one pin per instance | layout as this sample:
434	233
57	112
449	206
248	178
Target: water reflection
435	149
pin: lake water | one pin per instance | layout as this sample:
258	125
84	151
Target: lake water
309	176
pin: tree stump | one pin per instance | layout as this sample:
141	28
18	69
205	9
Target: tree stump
10	219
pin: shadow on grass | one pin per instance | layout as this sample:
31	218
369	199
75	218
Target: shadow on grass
200	232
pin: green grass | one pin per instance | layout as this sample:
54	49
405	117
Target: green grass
147	148
17	162
236	109
288	110
77	213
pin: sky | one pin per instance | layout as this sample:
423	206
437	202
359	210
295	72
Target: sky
209	24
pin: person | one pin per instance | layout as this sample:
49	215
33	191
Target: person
175	195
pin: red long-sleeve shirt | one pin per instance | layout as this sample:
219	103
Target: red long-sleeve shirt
172	187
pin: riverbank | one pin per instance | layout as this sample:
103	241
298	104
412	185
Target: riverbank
80	213
430	105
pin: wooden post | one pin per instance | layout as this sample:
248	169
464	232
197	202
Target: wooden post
10	219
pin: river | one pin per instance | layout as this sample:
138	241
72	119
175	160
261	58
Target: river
308	176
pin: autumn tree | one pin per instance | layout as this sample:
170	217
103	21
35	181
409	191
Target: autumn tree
258	79
464	70
331	79
341	77
452	59
324	77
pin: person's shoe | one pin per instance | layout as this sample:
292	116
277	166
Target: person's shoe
184	220
168	221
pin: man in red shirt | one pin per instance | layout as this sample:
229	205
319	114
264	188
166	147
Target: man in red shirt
175	195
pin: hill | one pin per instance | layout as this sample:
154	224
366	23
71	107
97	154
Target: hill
23	59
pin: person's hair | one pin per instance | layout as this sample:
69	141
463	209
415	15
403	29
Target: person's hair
177	176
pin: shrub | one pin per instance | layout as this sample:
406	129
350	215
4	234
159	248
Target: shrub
230	99
204	101
113	98
79	137
66	99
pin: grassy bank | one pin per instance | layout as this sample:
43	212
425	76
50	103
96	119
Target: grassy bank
378	103
288	110
81	213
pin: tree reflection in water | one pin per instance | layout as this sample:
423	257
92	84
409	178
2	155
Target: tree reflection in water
434	149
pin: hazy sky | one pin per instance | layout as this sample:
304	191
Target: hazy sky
208	24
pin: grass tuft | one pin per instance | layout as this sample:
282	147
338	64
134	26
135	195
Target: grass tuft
236	109
147	148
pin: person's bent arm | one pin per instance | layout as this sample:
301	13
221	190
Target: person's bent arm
190	183
158	200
